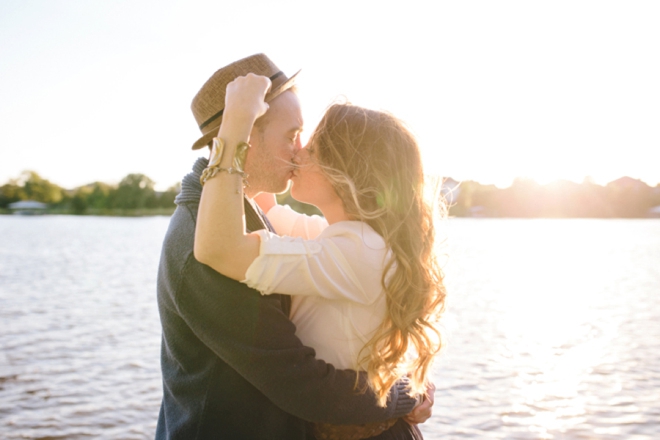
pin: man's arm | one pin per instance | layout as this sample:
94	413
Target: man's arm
252	334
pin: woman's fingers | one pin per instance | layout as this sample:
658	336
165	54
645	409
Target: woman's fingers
245	97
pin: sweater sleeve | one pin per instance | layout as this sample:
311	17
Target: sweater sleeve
253	335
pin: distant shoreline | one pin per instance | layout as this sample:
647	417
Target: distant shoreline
145	212
167	212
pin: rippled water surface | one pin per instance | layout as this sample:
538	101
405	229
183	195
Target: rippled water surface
554	329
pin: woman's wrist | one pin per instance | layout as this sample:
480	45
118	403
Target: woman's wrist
220	156
239	119
232	138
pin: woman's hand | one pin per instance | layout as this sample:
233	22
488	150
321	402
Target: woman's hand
424	410
244	100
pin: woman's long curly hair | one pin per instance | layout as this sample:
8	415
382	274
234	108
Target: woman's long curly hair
374	164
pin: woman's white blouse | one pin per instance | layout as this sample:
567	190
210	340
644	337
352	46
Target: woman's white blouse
334	274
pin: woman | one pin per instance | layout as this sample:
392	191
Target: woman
367	290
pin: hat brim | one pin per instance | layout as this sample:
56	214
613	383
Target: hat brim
212	129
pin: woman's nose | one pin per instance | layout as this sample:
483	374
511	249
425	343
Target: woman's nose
298	145
300	156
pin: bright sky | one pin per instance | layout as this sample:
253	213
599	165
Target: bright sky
94	90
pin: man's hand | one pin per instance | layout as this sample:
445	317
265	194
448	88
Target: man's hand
423	411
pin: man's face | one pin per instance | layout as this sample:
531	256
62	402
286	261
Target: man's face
269	161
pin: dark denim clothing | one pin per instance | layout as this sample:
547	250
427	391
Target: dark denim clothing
232	365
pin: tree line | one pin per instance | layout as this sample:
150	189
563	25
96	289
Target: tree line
135	192
525	198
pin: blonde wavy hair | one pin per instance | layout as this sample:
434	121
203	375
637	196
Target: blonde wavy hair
374	164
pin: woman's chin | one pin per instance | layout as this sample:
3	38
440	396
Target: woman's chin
295	196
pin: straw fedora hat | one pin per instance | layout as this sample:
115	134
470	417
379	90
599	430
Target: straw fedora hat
209	103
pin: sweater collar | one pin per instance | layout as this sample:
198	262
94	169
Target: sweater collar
191	188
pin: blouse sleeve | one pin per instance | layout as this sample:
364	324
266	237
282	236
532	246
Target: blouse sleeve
286	221
340	266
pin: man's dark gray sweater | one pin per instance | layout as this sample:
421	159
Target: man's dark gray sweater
232	365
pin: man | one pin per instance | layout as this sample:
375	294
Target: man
232	365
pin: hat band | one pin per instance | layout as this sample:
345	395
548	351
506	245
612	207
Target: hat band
217	115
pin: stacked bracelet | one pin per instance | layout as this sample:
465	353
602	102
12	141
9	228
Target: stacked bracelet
216	157
210	172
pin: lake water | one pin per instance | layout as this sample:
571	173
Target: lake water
553	329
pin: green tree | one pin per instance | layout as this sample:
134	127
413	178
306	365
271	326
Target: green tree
39	189
98	196
10	192
79	203
166	198
135	191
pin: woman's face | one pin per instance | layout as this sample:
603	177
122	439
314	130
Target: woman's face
310	185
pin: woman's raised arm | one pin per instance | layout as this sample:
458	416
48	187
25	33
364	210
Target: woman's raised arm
220	238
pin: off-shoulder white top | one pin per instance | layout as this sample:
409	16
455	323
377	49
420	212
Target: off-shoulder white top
334	275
